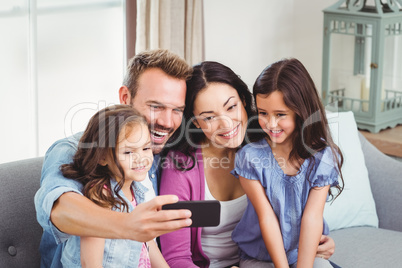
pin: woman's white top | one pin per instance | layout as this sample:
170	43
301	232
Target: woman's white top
217	242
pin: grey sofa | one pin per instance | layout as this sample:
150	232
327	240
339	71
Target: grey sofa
355	247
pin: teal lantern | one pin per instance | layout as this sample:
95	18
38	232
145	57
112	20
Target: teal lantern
362	61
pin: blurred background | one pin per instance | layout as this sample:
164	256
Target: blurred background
62	60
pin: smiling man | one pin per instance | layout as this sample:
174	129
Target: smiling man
155	85
160	97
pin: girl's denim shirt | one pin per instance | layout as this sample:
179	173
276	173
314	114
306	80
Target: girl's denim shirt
117	252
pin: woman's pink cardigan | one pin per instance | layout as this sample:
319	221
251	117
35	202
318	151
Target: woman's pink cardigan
182	248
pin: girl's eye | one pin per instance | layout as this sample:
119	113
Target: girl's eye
208	118
280	115
146	148
262	113
128	152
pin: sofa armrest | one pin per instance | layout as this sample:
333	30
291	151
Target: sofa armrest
385	176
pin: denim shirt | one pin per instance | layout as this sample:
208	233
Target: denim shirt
117	252
53	185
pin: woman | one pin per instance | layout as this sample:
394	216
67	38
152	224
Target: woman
218	105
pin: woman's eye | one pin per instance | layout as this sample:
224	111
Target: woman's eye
232	107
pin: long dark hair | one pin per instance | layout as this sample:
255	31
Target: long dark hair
98	143
185	138
311	134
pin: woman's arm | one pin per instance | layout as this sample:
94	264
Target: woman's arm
155	255
326	247
311	226
92	252
269	224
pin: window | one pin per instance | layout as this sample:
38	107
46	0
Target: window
61	62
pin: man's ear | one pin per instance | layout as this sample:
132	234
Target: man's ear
195	122
124	95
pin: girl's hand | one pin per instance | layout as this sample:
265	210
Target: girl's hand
326	247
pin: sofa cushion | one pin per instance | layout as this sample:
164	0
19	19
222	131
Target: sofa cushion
20	232
367	247
355	205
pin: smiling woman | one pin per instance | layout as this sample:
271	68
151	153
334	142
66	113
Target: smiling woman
218	105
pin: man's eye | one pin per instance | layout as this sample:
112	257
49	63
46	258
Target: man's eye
155	107
178	111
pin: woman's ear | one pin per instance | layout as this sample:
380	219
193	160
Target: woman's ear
195	122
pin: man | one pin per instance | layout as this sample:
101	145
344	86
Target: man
155	84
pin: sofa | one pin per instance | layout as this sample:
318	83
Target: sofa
359	246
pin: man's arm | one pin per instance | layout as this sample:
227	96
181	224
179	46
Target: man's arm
75	214
62	210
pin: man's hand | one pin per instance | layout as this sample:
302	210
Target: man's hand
76	215
326	247
148	220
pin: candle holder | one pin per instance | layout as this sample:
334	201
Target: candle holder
362	61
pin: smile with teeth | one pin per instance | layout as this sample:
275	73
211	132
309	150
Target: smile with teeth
159	134
230	133
276	131
138	168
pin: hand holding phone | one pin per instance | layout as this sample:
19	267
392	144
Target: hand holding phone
204	213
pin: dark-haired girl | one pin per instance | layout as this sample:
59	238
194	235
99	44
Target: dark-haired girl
286	175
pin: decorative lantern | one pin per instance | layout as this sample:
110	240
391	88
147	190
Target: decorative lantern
362	61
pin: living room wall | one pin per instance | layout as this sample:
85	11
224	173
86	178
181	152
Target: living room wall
249	35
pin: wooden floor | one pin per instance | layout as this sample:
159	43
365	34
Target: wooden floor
388	141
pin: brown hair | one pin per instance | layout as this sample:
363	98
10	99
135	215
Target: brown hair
98	143
163	59
311	134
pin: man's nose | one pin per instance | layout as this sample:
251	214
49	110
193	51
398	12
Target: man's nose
165	119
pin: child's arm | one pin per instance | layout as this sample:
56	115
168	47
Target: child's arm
269	224
311	226
155	255
92	252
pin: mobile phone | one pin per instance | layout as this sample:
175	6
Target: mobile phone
204	213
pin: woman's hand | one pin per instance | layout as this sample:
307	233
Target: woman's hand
326	247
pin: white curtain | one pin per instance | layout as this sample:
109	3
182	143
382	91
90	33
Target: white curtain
176	25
